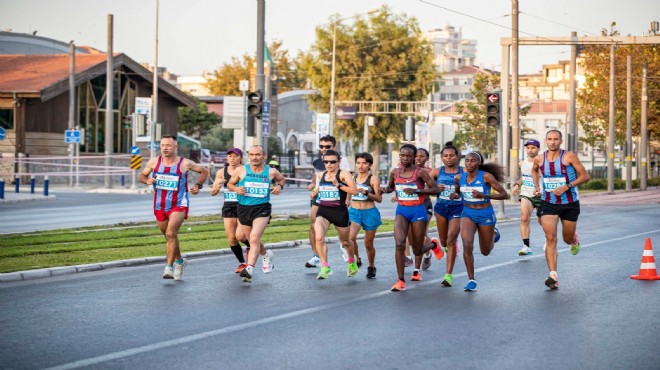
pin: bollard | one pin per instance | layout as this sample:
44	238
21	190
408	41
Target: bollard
123	181
2	189
46	186
17	183
32	182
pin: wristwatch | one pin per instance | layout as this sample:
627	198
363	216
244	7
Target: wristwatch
569	185
199	186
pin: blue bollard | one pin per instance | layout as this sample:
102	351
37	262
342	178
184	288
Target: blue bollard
32	182
46	186
17	184
2	189
123	181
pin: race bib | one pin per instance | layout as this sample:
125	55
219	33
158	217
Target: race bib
167	182
231	196
466	191
552	183
359	196
328	193
527	183
256	189
402	195
446	192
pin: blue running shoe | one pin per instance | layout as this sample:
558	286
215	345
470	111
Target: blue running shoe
497	236
471	286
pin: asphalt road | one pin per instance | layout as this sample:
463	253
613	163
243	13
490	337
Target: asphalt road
131	318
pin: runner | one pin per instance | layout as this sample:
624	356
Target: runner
478	214
408	181
230	206
562	172
421	158
326	143
252	184
363	212
447	211
170	182
525	186
333	187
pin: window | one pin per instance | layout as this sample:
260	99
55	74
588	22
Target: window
7	119
552	123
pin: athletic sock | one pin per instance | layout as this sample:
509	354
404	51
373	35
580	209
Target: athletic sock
526	242
238	252
179	261
247	243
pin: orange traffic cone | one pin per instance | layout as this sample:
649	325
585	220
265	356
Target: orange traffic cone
647	270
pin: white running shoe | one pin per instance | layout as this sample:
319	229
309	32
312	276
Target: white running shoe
168	273
344	253
267	262
525	250
313	262
426	261
178	269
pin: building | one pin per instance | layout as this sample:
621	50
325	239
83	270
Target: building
450	50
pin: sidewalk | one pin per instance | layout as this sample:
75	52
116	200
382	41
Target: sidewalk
25	196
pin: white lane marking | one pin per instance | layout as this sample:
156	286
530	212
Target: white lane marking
248	325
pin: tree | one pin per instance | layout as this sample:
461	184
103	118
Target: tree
472	128
197	122
379	58
218	138
225	80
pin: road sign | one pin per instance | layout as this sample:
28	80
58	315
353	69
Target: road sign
143	106
3	133
72	136
135	150
136	162
493	98
156	145
265	118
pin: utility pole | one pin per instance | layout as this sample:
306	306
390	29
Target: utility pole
644	146
109	100
259	80
611	132
572	126
72	103
515	116
154	94
629	123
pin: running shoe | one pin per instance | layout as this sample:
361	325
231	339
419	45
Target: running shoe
416	276
497	235
525	250
399	286
267	262
246	275
324	273
371	272
426	261
178	269
408	262
344	253
575	248
359	262
352	269
552	281
168	273
313	262
471	286
437	250
447	280
240	268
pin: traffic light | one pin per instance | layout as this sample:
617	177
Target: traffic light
493	113
250	125
255	101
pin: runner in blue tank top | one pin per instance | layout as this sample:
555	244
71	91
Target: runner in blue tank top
252	184
562	172
478	214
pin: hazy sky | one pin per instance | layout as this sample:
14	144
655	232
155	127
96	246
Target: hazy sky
199	35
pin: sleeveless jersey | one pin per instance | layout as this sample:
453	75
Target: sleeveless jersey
401	183
231	197
478	184
527	187
556	174
171	186
362	186
257	187
330	195
447	179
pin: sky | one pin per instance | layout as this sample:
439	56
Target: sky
201	35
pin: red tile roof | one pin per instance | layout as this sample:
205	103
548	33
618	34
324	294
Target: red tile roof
555	106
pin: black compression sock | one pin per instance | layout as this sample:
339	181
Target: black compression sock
238	252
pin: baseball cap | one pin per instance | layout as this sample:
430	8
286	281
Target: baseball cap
533	142
236	151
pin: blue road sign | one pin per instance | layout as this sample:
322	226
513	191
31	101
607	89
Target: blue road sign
156	145
135	150
72	136
265	118
3	133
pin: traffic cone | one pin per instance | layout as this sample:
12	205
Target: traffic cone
647	270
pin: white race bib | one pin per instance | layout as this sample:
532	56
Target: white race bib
256	189
552	183
402	195
466	191
167	182
328	193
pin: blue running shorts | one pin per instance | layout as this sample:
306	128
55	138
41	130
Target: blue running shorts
480	216
368	218
448	211
413	213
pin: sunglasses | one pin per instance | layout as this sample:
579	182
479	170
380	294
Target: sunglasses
325	146
330	162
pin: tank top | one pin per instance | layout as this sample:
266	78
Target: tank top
171	186
366	185
556	174
329	194
257	187
231	197
527	187
478	184
447	179
401	183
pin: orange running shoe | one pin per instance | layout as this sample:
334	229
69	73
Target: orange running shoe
437	250
399	286
416	276
240	268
